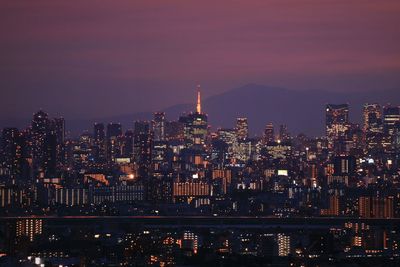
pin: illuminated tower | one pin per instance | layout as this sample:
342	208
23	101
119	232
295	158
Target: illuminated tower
198	106
195	126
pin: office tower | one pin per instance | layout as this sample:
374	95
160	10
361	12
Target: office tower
337	122
141	127
98	133
114	132
229	138
50	155
11	151
159	126
142	144
391	117
195	127
283	133
39	129
99	144
242	128
372	115
174	131
59	131
269	133
127	149
373	126
9	143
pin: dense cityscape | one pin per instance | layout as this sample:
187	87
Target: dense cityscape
179	193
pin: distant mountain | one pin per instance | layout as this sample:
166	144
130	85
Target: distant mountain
301	111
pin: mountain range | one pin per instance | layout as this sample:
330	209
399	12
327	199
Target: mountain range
302	111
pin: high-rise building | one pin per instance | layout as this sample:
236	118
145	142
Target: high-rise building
12	150
99	142
159	126
39	129
50	155
283	133
142	143
114	132
337	122
127	148
195	127
391	117
242	128
59	131
372	115
174	131
373	126
269	133
141	127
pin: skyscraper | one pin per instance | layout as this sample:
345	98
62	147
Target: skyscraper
142	143
159	126
337	122
283	133
11	151
391	117
195	126
373	127
114	131
242	128
59	131
372	115
99	142
127	148
269	133
50	155
39	129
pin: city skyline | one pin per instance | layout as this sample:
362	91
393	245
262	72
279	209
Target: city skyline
261	103
200	133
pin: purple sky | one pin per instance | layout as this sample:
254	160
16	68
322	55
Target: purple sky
94	58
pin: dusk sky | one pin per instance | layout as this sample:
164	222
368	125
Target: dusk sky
87	59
